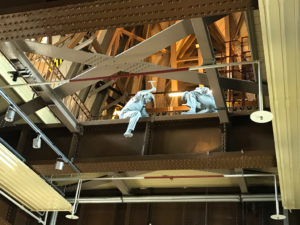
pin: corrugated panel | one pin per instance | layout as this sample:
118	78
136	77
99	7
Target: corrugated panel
281	38
23	184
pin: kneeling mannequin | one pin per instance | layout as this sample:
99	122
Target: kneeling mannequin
199	100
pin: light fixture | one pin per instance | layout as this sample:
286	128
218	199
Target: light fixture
10	114
260	116
25	186
37	142
277	216
59	164
72	216
176	94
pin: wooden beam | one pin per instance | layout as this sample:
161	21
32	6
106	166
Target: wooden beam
186	45
75	40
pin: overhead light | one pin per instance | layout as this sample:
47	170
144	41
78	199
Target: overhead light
72	215
37	142
25	186
176	94
261	116
197	45
10	114
59	164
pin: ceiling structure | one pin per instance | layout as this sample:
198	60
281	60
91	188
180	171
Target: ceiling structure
61	40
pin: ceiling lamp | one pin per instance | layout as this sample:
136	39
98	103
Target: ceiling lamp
25	186
59	164
260	116
37	142
10	114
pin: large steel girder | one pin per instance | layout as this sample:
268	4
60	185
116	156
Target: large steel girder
177	142
95	15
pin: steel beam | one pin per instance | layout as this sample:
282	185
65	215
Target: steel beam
121	185
95	15
216	160
178	198
11	50
242	181
203	38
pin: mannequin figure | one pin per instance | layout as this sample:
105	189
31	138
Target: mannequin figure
200	100
136	108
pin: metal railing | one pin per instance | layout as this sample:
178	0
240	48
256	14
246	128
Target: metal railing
49	70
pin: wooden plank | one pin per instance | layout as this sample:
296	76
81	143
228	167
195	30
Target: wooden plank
76	39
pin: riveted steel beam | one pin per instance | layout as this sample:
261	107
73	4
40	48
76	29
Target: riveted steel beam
95	15
217	160
11	50
205	45
109	151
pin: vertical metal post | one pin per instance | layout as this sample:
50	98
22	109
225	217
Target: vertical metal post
76	202
277	216
260	116
260	91
53	218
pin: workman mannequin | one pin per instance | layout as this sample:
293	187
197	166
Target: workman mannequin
136	108
199	100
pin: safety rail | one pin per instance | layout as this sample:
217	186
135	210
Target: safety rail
49	70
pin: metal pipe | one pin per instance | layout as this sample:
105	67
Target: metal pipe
162	177
77	195
178	198
260	91
39	219
36	129
276	197
36	84
134	74
223	65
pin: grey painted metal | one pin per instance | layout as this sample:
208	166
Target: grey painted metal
39	219
53	218
251	37
242	181
260	90
203	38
56	52
11	50
101	88
113	177
38	131
223	65
105	65
178	198
121	185
286	213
